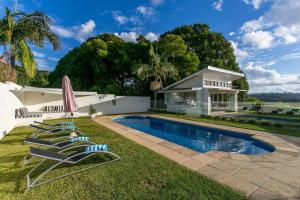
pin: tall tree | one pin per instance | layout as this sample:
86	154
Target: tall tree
158	69
174	48
171	46
18	30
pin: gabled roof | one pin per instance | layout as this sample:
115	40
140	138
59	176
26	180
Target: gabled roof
235	75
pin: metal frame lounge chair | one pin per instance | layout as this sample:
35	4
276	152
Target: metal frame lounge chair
55	125
42	130
84	152
62	143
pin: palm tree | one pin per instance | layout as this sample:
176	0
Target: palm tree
158	69
18	30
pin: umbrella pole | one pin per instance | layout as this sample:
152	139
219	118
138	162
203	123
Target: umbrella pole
73	134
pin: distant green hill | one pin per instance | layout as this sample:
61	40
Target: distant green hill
275	97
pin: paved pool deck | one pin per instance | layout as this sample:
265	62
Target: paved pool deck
274	175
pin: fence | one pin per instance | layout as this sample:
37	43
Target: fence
292	108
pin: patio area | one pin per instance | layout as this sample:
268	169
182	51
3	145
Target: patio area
270	176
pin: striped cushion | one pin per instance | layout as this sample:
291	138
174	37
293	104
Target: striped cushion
96	147
67	123
80	138
68	127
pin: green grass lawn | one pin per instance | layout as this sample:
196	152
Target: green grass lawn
284	130
278	115
142	174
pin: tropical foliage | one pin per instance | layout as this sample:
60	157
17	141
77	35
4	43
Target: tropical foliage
158	69
39	80
108	64
18	30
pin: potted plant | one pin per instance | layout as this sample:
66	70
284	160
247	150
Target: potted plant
92	112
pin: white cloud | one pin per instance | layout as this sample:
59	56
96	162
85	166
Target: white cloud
291	56
253	25
284	12
80	33
156	2
289	35
217	5
61	31
263	79
231	33
42	64
151	36
121	19
281	25
84	30
239	53
146	11
136	19
255	3
270	63
128	36
259	39
132	36
53	59
38	54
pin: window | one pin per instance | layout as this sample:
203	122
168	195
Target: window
183	98
217	83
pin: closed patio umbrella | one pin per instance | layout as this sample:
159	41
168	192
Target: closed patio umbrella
68	98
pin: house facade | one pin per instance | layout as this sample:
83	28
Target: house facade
204	92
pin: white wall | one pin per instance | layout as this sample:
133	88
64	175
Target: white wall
8	103
36	102
102	103
124	104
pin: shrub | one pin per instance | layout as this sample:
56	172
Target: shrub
223	118
277	124
92	110
217	117
209	117
266	123
290	112
203	116
241	120
251	121
233	119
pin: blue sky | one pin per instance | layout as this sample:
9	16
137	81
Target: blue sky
264	33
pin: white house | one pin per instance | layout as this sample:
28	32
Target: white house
47	103
204	92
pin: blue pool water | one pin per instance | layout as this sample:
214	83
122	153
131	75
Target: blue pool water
198	138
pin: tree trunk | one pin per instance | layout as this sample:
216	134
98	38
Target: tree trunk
13	61
5	54
155	99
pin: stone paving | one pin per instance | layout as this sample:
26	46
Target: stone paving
274	175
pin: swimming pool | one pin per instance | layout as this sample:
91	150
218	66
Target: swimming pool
198	138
